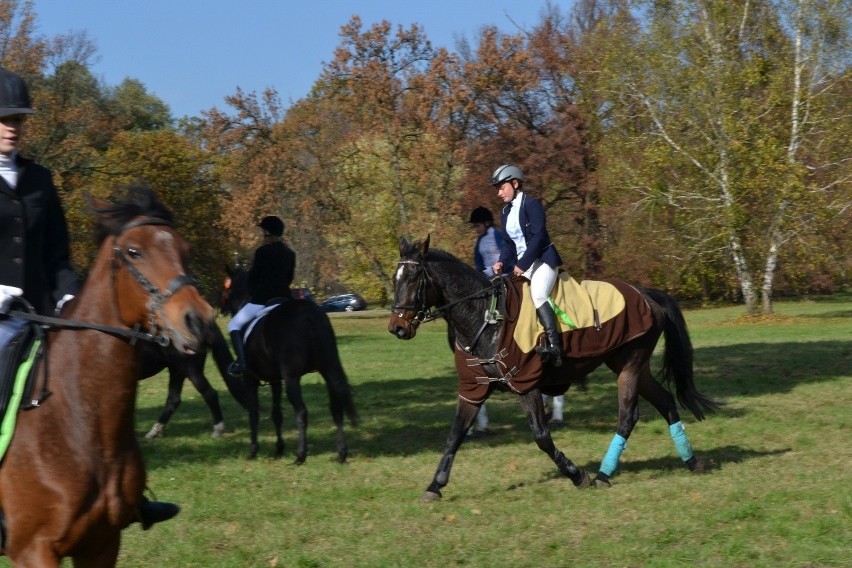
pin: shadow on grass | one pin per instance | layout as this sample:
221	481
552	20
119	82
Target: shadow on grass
404	417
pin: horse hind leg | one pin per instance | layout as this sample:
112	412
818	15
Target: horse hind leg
664	402
533	406
340	404
628	416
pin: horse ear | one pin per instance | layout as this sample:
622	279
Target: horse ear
424	248
404	246
95	203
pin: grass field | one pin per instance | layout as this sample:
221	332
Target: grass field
778	493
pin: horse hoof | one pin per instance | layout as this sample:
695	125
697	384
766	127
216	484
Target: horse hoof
584	482
430	497
696	464
218	429
156	431
602	483
299	461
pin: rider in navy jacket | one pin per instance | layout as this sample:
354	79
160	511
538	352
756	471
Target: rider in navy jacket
527	245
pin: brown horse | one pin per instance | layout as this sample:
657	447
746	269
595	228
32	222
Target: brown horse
73	476
427	278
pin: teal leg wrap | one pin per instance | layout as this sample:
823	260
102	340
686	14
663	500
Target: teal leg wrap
613	454
681	442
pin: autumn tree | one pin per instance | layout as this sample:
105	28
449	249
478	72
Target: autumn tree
521	102
706	96
180	174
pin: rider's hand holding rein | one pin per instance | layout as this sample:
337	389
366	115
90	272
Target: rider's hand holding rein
7	295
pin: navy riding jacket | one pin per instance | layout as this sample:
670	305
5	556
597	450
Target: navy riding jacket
534	227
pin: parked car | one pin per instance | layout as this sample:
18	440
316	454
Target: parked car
344	303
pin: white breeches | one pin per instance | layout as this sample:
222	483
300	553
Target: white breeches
542	277
242	317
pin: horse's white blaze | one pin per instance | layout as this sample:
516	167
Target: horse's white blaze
399	272
164	238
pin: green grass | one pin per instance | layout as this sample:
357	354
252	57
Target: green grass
778	493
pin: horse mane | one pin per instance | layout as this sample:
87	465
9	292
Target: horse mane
128	202
440	258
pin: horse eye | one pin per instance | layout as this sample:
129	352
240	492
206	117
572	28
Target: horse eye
134	253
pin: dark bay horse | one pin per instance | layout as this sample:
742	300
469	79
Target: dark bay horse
293	339
73	476
431	278
182	366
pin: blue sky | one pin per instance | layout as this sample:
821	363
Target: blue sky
193	53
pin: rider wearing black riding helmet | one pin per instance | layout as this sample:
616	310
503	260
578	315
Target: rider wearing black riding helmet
34	244
269	278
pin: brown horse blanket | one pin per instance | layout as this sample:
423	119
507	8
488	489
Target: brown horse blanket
594	317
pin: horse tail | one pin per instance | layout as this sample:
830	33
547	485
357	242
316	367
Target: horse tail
223	358
677	366
337	383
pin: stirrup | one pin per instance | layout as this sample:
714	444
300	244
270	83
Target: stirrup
550	355
236	368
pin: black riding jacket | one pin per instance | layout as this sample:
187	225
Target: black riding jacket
271	272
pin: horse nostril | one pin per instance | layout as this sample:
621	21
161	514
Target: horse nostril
195	324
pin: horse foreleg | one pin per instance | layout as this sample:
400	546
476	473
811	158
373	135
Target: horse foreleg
251	397
664	402
533	406
106	554
294	395
40	554
465	415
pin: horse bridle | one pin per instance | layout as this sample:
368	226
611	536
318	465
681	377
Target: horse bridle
422	313
158	297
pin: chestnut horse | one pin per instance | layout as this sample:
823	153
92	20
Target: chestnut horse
426	278
73	476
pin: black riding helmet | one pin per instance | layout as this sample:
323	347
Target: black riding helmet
14	95
481	215
272	225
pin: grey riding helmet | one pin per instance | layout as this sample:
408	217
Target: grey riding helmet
506	173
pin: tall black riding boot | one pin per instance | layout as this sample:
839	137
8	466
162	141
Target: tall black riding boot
151	512
553	352
238	366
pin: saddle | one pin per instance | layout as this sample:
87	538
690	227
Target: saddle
594	317
17	376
